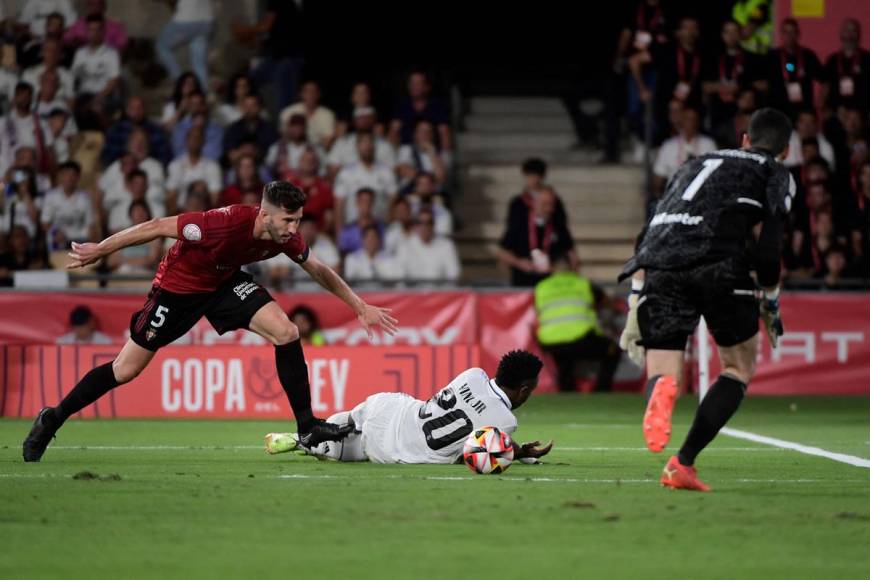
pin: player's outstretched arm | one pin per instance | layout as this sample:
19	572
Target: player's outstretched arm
368	315
532	450
85	254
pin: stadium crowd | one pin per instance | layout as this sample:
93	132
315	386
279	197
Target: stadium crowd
82	158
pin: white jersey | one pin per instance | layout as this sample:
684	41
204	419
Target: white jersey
396	428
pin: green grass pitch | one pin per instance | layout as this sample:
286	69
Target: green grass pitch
200	499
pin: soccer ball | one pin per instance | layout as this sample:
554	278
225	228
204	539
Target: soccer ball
488	450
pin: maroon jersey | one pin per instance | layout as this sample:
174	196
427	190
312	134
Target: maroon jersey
213	245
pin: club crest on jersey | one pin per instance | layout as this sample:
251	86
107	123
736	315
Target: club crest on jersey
192	233
150	334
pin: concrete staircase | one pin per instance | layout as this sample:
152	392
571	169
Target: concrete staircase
604	203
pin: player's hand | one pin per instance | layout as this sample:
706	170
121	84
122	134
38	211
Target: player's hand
772	321
532	450
631	334
375	316
84	254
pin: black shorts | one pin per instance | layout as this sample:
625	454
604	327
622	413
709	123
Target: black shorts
167	316
672	302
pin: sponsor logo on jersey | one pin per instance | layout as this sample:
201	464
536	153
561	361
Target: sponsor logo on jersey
150	334
675	218
192	233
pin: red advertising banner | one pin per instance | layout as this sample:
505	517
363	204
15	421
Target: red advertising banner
224	382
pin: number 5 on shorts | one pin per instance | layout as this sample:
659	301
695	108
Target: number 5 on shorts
159	317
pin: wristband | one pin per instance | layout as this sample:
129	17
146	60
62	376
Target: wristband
636	286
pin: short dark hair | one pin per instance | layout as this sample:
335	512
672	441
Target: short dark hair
790	22
366	191
770	130
284	194
139	203
307	312
517	368
70	165
137	173
23	86
535	166
90	18
79	315
371	227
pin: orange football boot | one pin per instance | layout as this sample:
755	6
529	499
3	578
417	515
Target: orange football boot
657	419
675	475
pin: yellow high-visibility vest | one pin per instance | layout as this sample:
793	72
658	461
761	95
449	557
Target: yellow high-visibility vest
566	308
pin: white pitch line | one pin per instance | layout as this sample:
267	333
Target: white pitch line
805	449
639	449
150	447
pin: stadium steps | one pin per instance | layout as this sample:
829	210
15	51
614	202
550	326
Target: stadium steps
604	202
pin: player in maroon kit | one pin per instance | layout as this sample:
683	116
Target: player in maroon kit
201	276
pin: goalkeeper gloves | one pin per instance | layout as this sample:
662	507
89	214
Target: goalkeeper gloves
769	308
631	333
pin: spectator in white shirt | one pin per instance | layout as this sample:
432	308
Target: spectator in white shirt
232	109
143	258
48	95
60	131
51	61
22	207
679	149
117	201
320	120
34	13
806	127
367	172
191	24
424	196
422	156
401	227
282	269
67	212
190	167
345	150
427	257
370	263
96	69
284	156
22	128
138	155
360	96
83	327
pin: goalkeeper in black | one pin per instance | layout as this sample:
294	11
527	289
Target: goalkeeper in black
721	220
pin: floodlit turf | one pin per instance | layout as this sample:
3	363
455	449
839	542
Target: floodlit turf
201	500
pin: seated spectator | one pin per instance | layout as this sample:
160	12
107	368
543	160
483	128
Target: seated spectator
60	131
806	127
282	269
248	149
350	236
284	156
319	199
138	155
118	135
847	71
528	247
677	150
20	255
534	172
48	96
370	263
191	24
29	50
198	116
856	148
837	269
320	121
567	306
245	179
198	197
117	201
360	97
366	173
190	167
26	158
141	259
35	13
96	69
83	328
792	70
345	150
232	109
422	156
22	204
401	226
21	128
729	133
308	324
420	105
428	257
251	128
424	195
116	33
51	61
179	106
67	212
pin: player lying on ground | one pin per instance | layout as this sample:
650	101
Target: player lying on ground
397	428
201	276
722	216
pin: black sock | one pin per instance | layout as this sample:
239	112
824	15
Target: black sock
99	381
718	406
650	385
293	374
